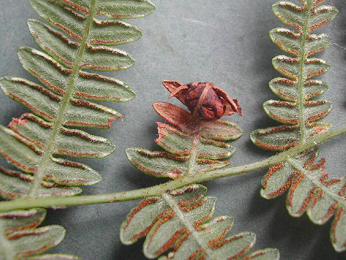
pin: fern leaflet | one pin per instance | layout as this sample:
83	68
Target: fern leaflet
179	220
20	238
75	40
308	184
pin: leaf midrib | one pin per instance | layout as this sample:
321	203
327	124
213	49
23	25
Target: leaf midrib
302	122
193	154
180	215
49	151
301	78
317	183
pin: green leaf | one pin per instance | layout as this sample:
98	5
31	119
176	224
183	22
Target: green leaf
282	111
288	112
20	237
88	85
307	182
287	89
290	14
162	164
63	18
289	41
76	39
222	130
16	184
338	233
321	16
26	155
46	104
113	33
125	8
71	142
290	67
176	142
181	221
311	191
276	138
64	50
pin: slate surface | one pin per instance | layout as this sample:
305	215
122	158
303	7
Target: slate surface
222	41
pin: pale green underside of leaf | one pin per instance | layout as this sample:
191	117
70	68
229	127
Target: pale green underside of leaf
203	150
162	164
20	238
181	221
22	154
298	89
55	77
310	191
309	188
15	184
77	38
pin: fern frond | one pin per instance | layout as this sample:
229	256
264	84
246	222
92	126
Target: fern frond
310	191
76	40
299	112
309	188
181	221
20	238
195	142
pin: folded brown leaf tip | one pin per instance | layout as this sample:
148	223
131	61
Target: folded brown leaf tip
204	100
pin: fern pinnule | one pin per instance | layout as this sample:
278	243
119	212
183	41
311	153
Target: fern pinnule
22	239
181	220
310	190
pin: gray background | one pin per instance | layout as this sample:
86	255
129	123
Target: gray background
222	41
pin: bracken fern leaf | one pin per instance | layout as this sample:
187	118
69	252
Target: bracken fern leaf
21	239
76	40
309	188
180	220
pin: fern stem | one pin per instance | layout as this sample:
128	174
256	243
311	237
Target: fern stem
64	105
301	77
158	190
193	155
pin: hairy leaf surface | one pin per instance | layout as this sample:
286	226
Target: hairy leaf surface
181	221
21	238
75	39
309	188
